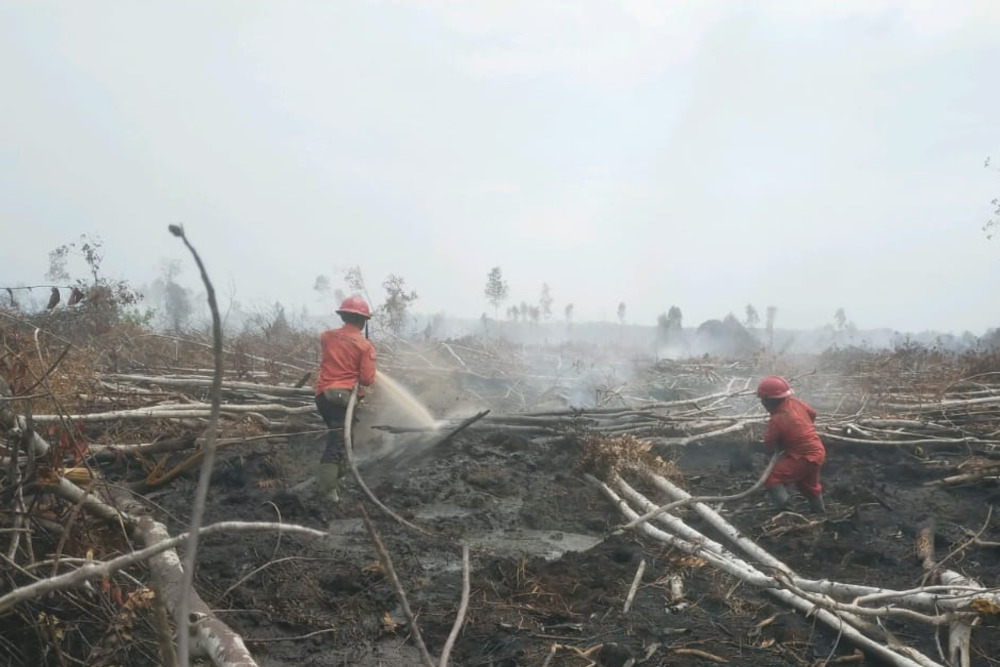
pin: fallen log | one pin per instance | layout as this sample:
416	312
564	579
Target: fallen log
927	598
261	360
908	423
923	442
941	405
228	385
735	428
714	519
704	499
960	631
466	423
112	452
748	574
175	412
982	473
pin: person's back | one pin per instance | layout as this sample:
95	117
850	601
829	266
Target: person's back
347	357
791	430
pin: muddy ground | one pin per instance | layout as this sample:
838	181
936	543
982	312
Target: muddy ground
541	573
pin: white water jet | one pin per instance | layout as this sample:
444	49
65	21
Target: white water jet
406	401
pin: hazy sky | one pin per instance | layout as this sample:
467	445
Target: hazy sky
808	154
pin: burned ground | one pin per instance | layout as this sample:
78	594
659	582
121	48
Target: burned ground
548	580
520	506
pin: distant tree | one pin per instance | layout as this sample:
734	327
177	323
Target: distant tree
434	327
497	288
772	314
513	313
753	319
840	319
668	325
664	331
535	313
851	330
355	280
339	296
397	303
324	288
674	317
524	311
88	247
545	302
621	313
176	298
568	313
278	327
103	301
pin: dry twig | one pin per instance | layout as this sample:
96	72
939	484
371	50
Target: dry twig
635	586
411	621
463	608
204	479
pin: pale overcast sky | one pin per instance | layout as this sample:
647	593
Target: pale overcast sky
808	154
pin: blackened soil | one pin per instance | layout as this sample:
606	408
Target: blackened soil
519	506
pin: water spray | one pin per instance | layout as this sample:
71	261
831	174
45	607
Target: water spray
405	400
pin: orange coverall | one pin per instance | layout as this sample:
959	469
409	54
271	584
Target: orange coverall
792	431
347	357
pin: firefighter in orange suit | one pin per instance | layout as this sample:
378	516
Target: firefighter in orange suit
791	430
348	358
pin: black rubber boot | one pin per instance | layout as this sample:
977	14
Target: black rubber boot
779	496
817	505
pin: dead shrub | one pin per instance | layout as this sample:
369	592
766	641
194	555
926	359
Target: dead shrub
606	455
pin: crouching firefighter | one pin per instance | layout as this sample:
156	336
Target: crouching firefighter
348	358
791	431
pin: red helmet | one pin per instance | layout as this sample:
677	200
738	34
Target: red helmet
774	386
355	305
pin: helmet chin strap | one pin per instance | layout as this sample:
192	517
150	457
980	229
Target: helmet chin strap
366	330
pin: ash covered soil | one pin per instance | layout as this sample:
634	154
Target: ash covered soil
541	572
